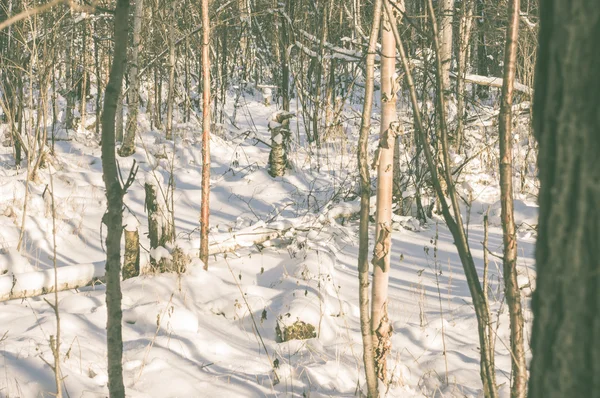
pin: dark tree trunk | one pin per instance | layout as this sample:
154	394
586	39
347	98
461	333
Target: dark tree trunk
114	214
566	303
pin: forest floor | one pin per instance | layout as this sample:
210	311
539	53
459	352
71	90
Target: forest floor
204	333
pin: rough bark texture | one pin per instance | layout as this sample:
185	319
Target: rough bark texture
204	209
160	230
511	286
365	198
566	303
114	214
152	209
128	147
380	323
119	117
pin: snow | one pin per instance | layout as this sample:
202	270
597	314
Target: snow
131	223
282	250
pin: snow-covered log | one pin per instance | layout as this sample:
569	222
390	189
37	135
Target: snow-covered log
493	82
35	283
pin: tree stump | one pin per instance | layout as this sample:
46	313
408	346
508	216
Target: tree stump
280	141
159	227
131	264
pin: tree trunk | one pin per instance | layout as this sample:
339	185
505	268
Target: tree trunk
280	138
84	76
454	223
464	36
511	286
128	147
380	323
365	198
171	92
113	217
482	61
566	353
119	118
446	12
285	65
70	96
98	69
204	206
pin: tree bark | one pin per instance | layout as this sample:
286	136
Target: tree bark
204	205
131	263
285	65
128	147
113	217
446	11
566	302
511	286
365	198
280	143
380	323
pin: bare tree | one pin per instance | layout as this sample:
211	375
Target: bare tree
511	286
204	209
454	221
566	359
365	198
113	218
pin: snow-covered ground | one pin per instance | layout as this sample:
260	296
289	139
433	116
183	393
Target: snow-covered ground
213	333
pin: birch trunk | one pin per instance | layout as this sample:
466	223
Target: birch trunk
380	323
365	197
